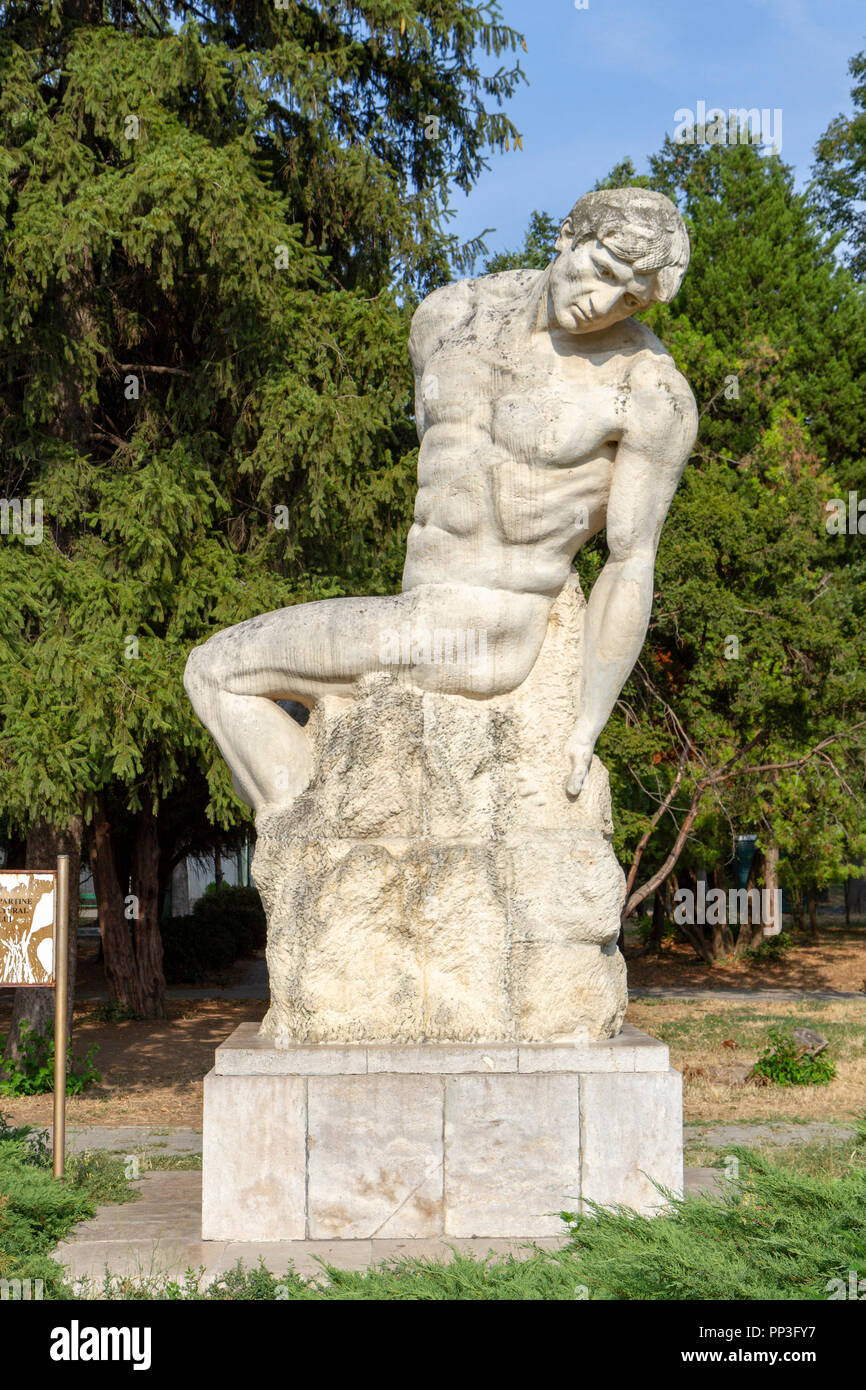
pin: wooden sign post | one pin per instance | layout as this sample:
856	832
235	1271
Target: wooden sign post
34	954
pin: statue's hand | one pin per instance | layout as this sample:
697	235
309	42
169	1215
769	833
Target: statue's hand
579	754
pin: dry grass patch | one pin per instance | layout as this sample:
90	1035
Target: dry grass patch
696	1032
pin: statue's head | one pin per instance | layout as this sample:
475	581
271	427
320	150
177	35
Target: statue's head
619	250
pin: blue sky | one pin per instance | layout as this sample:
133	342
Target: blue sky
605	82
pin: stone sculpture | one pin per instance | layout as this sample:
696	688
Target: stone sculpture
434	844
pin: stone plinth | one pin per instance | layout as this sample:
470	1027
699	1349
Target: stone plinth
364	1141
435	881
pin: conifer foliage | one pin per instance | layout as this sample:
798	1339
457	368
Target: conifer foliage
216	219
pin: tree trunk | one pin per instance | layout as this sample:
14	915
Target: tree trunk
114	931
771	885
720	934
217	868
36	1006
812	905
654	945
751	932
148	940
693	933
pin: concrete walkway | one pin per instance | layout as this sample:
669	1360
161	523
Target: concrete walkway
132	1139
253	984
159	1236
777	1132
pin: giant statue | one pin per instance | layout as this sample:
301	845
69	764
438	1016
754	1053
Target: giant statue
434	842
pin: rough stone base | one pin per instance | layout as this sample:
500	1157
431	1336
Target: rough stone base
362	1142
435	882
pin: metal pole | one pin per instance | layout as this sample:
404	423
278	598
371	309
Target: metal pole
61	964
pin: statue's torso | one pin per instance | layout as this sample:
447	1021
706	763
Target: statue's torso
519	434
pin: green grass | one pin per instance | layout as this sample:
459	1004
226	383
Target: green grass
816	1159
36	1210
749	1027
150	1161
788	1224
775	1233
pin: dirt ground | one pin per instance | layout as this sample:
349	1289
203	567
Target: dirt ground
836	961
151	1072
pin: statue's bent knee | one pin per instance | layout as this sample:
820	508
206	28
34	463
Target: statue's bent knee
197	676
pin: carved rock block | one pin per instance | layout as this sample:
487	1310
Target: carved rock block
435	881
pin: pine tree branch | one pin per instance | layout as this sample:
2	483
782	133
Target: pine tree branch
148	367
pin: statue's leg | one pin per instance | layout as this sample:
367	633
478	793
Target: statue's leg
299	653
447	638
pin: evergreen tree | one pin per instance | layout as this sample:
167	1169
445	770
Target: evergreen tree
746	709
216	220
840	173
537	250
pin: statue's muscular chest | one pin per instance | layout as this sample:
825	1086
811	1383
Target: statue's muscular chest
539	405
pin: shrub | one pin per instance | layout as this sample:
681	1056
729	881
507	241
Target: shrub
645	931
115	1013
773	947
33	1073
37	1210
226	924
771	1234
783	1063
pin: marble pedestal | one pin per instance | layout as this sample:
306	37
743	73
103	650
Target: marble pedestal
418	1141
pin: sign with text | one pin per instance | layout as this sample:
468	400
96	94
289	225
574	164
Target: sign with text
27	908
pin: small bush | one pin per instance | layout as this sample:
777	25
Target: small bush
33	1073
225	925
37	1210
784	1064
773	947
645	931
115	1013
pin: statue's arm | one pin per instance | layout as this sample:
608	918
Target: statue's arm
653	449
436	318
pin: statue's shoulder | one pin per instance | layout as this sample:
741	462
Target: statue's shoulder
453	306
648	361
437	316
506	286
661	400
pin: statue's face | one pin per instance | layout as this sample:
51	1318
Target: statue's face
591	288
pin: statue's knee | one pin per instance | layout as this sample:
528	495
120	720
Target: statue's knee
197	677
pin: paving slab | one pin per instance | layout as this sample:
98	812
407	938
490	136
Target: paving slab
129	1139
159	1237
782	1132
703	1182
